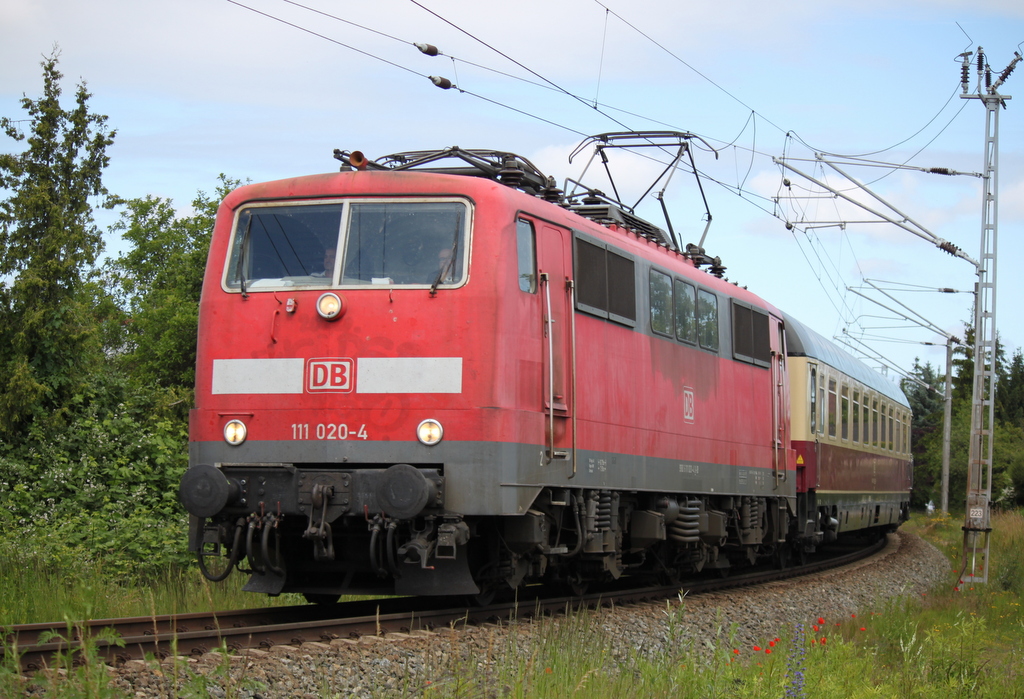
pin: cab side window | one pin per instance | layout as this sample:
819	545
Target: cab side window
526	255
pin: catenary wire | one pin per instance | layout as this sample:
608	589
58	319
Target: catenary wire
397	65
738	189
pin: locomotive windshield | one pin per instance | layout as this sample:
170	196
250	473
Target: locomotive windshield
385	243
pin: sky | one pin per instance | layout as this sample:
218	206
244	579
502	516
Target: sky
267	89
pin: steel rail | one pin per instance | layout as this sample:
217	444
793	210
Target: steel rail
195	634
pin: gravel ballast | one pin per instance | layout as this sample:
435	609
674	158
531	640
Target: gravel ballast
398	664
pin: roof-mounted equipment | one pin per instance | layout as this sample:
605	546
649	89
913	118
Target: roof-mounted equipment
508	168
675	144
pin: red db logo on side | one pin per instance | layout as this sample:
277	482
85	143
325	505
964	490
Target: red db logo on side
330	374
689	405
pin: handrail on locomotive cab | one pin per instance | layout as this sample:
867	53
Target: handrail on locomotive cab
572	323
777	425
550	332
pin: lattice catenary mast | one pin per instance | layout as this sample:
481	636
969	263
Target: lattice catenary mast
977	523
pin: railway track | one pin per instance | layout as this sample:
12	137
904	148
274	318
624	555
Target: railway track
120	640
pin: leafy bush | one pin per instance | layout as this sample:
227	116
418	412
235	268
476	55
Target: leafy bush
103	485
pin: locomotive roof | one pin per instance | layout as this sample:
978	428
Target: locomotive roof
801	341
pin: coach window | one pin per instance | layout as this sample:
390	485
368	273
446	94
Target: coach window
526	255
890	429
707	320
814	396
866	421
899	431
856	416
874	423
846	412
821	403
660	286
605	282
685	298
832	405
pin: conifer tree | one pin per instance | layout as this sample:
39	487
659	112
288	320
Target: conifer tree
48	241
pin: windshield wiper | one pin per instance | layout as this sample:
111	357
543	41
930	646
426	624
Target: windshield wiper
244	257
451	260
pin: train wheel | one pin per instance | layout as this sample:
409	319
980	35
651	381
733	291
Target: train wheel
669	576
483	598
783	557
578	586
321	598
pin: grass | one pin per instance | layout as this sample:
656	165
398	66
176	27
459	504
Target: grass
951	643
36	590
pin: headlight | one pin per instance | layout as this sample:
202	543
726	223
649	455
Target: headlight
429	432
330	306
235	432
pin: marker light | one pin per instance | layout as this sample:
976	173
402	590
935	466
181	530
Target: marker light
235	432
429	432
330	306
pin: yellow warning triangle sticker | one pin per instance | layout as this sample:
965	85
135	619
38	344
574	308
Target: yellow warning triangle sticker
799	459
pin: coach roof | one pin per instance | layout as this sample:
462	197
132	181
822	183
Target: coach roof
801	341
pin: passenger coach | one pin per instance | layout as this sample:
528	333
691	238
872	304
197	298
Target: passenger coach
851	433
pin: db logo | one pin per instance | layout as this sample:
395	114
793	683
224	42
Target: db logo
330	375
689	404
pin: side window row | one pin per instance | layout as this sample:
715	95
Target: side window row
606	287
683	311
847	412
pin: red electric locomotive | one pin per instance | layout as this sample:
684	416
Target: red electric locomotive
429	379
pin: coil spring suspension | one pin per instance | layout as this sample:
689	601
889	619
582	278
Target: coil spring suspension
603	520
686	528
750	513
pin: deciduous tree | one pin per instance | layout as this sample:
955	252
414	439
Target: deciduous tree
157	283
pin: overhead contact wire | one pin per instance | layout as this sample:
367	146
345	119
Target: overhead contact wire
521	65
327	38
392	63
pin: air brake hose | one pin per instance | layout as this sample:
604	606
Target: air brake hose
232	558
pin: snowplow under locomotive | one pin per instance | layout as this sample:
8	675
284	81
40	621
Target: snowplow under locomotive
427	379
